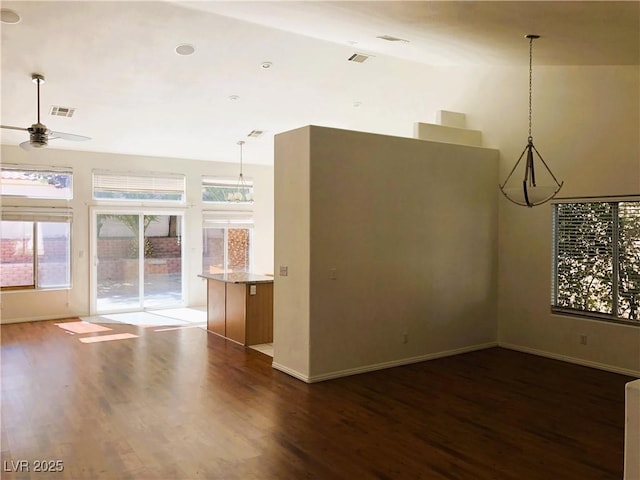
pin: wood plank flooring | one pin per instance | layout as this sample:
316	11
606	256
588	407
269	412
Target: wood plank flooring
184	404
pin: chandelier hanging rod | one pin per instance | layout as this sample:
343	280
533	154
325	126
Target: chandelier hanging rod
529	194
531	38
242	191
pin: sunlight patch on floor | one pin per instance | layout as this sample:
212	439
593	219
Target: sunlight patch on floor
108	338
83	327
191	315
168	329
174	317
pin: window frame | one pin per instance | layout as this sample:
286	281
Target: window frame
615	295
36	216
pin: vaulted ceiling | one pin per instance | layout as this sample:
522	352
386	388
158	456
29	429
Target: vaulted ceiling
116	64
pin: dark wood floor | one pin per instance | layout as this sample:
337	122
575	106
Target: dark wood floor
184	404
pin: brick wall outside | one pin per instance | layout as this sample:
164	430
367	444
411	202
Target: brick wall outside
14	274
16	264
18	274
115	263
238	248
18	251
238	242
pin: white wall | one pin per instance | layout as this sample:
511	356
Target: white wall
586	124
407	227
292	243
47	304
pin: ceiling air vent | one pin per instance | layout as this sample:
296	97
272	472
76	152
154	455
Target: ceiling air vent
358	57
255	133
62	111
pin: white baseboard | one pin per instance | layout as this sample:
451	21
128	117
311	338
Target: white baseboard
381	366
566	358
7	321
289	371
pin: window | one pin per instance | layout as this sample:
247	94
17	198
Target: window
36	248
596	261
36	182
227	242
138	186
216	190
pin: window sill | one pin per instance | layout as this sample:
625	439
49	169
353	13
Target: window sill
593	316
32	290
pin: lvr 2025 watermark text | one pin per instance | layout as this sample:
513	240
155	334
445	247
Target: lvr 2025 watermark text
36	466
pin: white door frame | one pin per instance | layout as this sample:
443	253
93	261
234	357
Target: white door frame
94	211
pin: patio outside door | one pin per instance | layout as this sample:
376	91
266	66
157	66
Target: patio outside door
137	262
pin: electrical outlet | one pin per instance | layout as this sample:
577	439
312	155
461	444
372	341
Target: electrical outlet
333	274
284	271
405	337
583	339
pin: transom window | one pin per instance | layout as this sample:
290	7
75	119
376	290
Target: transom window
218	190
596	260
160	187
36	182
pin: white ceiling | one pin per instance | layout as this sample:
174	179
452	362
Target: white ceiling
115	63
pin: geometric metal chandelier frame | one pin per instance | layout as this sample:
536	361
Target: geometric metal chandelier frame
529	193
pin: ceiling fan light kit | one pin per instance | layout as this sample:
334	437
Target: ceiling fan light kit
529	193
39	134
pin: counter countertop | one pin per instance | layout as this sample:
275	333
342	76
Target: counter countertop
238	277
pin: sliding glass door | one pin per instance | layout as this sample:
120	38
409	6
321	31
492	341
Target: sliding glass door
137	260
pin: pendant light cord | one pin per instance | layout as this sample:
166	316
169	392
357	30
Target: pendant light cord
530	81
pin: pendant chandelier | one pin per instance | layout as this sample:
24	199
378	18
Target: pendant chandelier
242	191
530	193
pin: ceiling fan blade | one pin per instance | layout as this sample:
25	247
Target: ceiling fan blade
14	128
68	136
26	145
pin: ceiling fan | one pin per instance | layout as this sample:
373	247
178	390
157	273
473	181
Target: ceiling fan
39	134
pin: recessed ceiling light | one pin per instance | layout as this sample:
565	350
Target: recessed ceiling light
9	16
390	38
185	49
266	65
255	133
234	97
357	104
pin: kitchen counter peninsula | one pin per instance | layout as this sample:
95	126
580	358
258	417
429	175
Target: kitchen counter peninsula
240	306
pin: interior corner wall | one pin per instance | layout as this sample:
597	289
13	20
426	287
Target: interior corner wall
586	125
397	244
29	305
